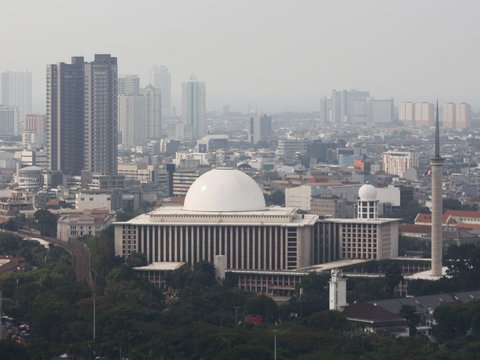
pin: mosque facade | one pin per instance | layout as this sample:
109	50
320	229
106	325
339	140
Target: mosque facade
225	214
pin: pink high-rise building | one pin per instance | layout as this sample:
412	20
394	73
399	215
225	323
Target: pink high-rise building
416	114
456	116
398	162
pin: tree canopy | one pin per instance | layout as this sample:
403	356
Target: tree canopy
45	222
195	316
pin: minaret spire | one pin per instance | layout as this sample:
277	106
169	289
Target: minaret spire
437	135
436	164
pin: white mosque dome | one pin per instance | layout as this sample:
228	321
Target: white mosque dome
224	190
367	192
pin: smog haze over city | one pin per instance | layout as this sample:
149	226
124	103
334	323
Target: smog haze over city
283	55
239	179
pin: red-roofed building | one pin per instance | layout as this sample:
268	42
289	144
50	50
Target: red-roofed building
423	219
463	219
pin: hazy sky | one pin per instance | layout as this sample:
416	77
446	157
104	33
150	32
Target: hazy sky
283	54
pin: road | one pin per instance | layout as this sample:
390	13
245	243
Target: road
78	250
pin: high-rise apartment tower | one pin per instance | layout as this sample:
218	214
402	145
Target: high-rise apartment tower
260	129
193	107
16	90
161	79
82	116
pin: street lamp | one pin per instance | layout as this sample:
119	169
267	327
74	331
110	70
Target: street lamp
275	344
236	315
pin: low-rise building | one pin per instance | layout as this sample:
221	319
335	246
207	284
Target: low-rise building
328	205
157	271
102	182
29	178
16	202
182	180
291	147
210	143
91	199
73	226
139	172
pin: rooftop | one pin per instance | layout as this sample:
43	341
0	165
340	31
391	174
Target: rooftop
224	190
166	266
178	215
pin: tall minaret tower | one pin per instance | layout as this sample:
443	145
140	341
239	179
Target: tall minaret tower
436	165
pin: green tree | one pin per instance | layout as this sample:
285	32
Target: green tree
314	297
136	260
262	305
408	312
411	211
247	352
451	321
463	263
102	256
327	320
451	204
203	275
45	222
12	351
393	276
9	244
11	225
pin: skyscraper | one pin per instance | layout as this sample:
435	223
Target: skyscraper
456	116
449	115
424	114
65	118
416	114
343	104
406	113
8	120
325	111
82	116
161	79
128	85
193	107
139	116
153	112
100	114
462	116
131	119
260	129
16	90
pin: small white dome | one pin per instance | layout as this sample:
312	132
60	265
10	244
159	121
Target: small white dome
367	192
224	190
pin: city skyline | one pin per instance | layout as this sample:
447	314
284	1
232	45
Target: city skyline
283	64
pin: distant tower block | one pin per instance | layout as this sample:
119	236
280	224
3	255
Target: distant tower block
338	290
436	164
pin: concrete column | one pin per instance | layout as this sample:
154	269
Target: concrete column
437	214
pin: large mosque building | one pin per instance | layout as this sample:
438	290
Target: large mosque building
225	214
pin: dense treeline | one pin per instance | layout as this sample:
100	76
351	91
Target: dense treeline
201	319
